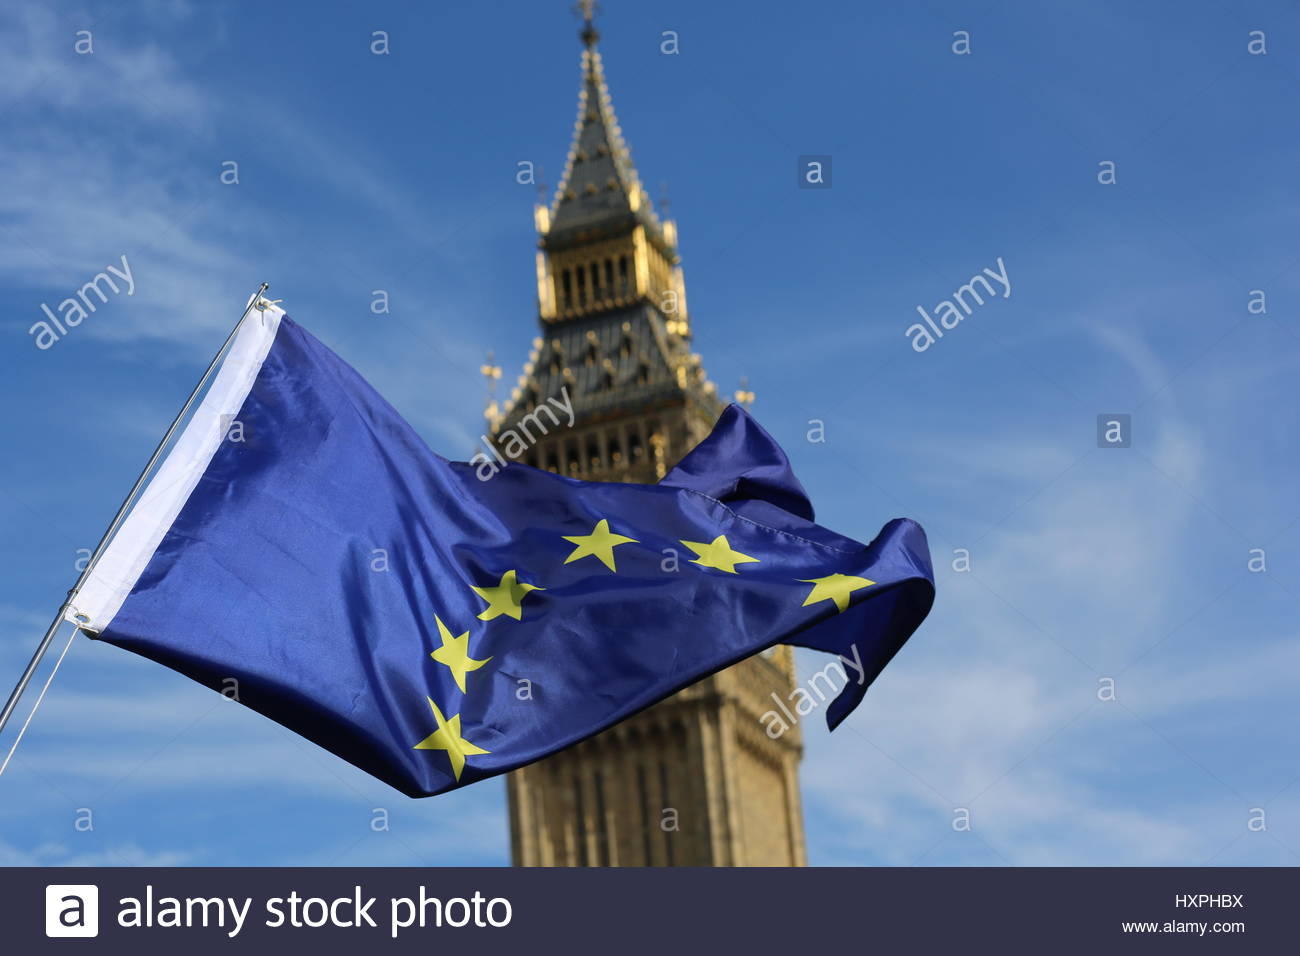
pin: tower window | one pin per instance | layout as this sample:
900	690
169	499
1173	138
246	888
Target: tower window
624	290
602	834
580	820
667	801
582	286
645	815
567	280
609	278
595	282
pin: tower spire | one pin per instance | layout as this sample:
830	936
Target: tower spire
615	345
590	35
600	188
601	244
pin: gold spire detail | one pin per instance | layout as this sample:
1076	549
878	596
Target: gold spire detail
599	108
744	394
491	373
587	9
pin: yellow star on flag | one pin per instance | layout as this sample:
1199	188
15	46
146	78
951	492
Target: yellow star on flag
506	598
447	737
455	654
834	587
600	544
717	554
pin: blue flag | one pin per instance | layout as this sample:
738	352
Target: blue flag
302	549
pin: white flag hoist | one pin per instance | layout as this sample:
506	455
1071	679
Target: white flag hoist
254	301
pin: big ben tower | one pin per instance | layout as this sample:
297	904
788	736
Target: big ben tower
693	780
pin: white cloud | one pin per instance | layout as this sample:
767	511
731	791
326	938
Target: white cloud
62	854
994	704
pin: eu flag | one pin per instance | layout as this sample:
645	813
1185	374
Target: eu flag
301	547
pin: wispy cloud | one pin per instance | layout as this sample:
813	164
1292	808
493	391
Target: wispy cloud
995	706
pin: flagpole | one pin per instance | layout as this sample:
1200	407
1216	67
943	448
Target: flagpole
44	645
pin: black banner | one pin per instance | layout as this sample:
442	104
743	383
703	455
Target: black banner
216	910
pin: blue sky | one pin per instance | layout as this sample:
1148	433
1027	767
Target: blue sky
360	172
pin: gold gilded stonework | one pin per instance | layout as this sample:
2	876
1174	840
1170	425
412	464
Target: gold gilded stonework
694	780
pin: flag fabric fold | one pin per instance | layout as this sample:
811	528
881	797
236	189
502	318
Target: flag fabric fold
301	549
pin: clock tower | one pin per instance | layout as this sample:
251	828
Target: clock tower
693	780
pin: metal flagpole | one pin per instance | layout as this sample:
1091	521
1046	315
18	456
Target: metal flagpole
44	646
